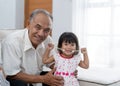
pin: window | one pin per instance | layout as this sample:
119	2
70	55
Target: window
97	25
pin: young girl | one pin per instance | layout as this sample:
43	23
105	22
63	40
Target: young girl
67	59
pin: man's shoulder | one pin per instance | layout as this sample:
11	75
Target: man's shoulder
15	36
17	33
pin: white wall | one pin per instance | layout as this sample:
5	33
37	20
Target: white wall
11	14
62	17
19	14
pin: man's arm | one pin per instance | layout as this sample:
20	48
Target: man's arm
49	78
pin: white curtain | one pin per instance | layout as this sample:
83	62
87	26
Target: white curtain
97	25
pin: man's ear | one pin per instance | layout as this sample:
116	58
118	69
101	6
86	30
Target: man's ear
28	25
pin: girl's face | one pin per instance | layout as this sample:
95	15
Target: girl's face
68	48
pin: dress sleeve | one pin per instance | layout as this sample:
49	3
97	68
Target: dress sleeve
78	57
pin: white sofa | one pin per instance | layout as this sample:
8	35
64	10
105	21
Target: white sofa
99	76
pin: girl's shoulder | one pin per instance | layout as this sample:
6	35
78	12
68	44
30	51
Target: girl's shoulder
54	52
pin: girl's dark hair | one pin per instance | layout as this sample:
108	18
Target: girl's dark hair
68	37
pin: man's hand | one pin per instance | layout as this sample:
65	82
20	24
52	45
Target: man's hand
53	80
76	73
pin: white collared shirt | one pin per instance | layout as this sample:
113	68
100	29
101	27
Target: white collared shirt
19	55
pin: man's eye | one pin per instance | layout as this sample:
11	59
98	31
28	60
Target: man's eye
47	30
38	26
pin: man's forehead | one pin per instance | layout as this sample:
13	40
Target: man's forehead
43	20
42	23
45	26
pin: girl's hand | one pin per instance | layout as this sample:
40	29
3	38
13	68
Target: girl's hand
83	50
76	73
50	46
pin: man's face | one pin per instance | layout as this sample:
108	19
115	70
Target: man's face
39	29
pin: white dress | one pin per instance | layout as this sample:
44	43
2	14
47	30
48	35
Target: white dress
66	68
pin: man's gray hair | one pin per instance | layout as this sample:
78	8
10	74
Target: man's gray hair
37	11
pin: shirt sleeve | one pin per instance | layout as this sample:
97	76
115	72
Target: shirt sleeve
10	56
3	81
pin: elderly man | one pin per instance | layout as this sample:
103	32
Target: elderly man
22	53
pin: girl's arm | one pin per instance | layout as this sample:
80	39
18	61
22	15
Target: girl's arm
85	62
46	59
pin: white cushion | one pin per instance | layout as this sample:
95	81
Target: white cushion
99	75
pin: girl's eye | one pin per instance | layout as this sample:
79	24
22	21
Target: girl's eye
66	44
72	44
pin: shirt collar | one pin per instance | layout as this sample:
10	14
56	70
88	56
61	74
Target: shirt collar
27	41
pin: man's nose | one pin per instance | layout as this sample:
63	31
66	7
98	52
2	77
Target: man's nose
41	32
